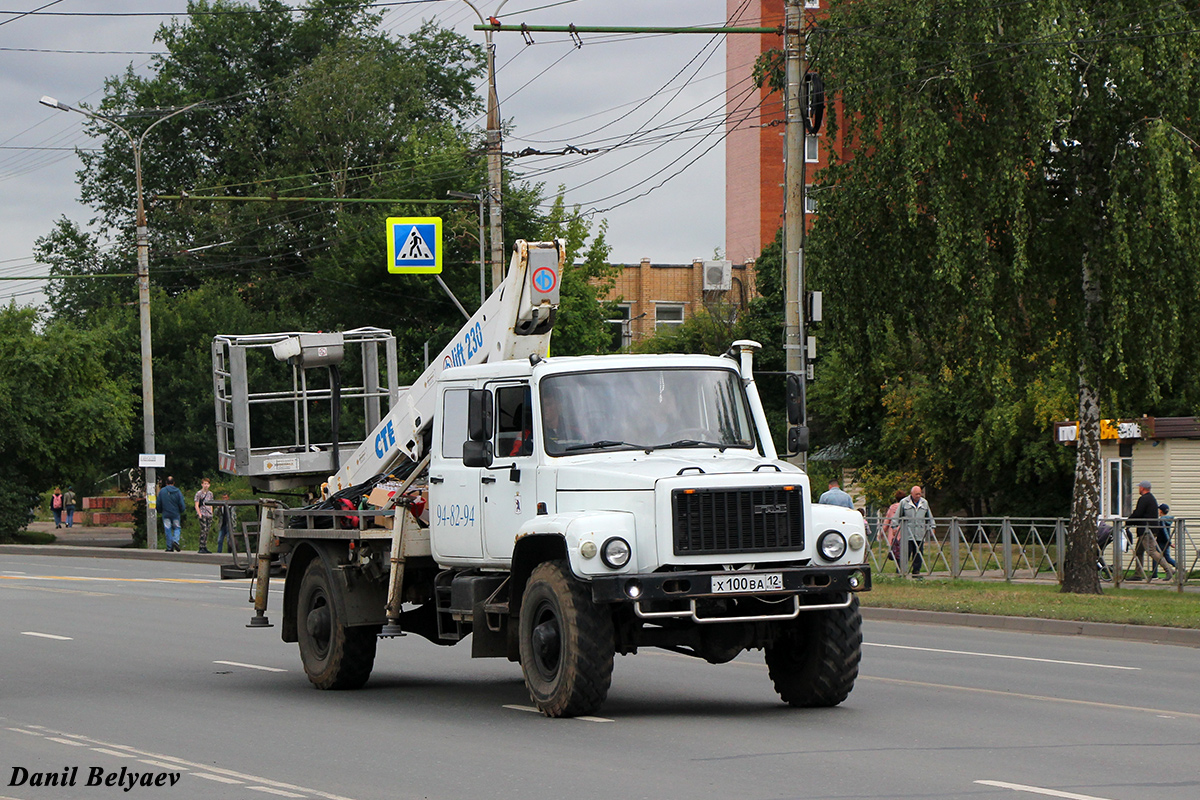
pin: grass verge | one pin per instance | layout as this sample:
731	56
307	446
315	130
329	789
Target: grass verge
33	537
1159	605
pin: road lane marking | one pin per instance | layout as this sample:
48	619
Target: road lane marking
88	578
162	764
943	686
65	741
108	752
250	666
1020	696
999	655
27	733
47	636
533	710
178	763
1017	787
29	587
219	778
269	790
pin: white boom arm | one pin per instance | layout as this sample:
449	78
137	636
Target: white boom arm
515	322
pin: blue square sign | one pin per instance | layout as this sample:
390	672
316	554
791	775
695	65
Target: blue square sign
414	244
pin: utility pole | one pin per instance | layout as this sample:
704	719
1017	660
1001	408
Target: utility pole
794	338
794	344
143	275
494	145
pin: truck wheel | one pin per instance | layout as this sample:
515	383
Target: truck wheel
815	662
566	643
334	656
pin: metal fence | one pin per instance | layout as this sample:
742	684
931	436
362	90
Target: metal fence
1017	548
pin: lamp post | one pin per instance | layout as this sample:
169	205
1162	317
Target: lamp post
143	273
494	152
478	198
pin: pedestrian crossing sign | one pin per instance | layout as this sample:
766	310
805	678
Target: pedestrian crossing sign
414	244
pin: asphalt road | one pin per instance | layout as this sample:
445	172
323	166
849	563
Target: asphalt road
146	666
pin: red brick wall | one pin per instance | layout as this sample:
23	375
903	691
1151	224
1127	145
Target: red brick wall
642	286
754	145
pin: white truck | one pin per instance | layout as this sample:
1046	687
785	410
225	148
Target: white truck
577	508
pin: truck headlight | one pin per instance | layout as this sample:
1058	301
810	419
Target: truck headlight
857	541
615	553
832	545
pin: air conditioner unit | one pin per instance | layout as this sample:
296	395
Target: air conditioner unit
718	276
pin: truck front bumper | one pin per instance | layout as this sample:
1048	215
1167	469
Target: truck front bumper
697	594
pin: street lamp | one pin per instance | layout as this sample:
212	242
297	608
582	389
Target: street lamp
478	198
143	273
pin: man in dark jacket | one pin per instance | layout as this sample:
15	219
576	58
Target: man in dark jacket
1145	514
170	506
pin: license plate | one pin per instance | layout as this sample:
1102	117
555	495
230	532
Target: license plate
742	584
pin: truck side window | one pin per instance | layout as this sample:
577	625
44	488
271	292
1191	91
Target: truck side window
514	416
454	422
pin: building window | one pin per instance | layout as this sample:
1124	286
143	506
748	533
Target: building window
622	328
812	3
1118	488
812	151
668	315
810	202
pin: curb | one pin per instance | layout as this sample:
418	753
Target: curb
1184	637
140	554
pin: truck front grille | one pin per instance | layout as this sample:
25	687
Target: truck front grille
737	520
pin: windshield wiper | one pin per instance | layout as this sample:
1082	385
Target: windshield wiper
691	443
603	443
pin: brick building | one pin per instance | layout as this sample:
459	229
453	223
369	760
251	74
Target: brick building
754	143
654	296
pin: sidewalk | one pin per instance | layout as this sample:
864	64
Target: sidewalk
102	542
80	536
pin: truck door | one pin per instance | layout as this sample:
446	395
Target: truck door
508	496
455	526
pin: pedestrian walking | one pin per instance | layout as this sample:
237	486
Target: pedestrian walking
68	499
891	528
1145	516
171	506
56	506
916	523
834	496
204	513
1166	525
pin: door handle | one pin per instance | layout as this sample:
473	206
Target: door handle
488	479
436	479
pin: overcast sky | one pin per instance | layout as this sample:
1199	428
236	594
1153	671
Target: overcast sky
660	97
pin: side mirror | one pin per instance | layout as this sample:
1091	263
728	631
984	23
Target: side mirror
797	439
794	389
477	454
479	415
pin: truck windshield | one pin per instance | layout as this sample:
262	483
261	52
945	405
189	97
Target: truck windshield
644	409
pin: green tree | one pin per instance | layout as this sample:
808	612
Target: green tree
1009	235
277	119
60	410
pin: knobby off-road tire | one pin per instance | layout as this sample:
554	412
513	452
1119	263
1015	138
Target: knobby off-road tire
566	643
334	656
814	664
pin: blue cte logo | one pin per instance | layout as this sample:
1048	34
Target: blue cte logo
544	279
